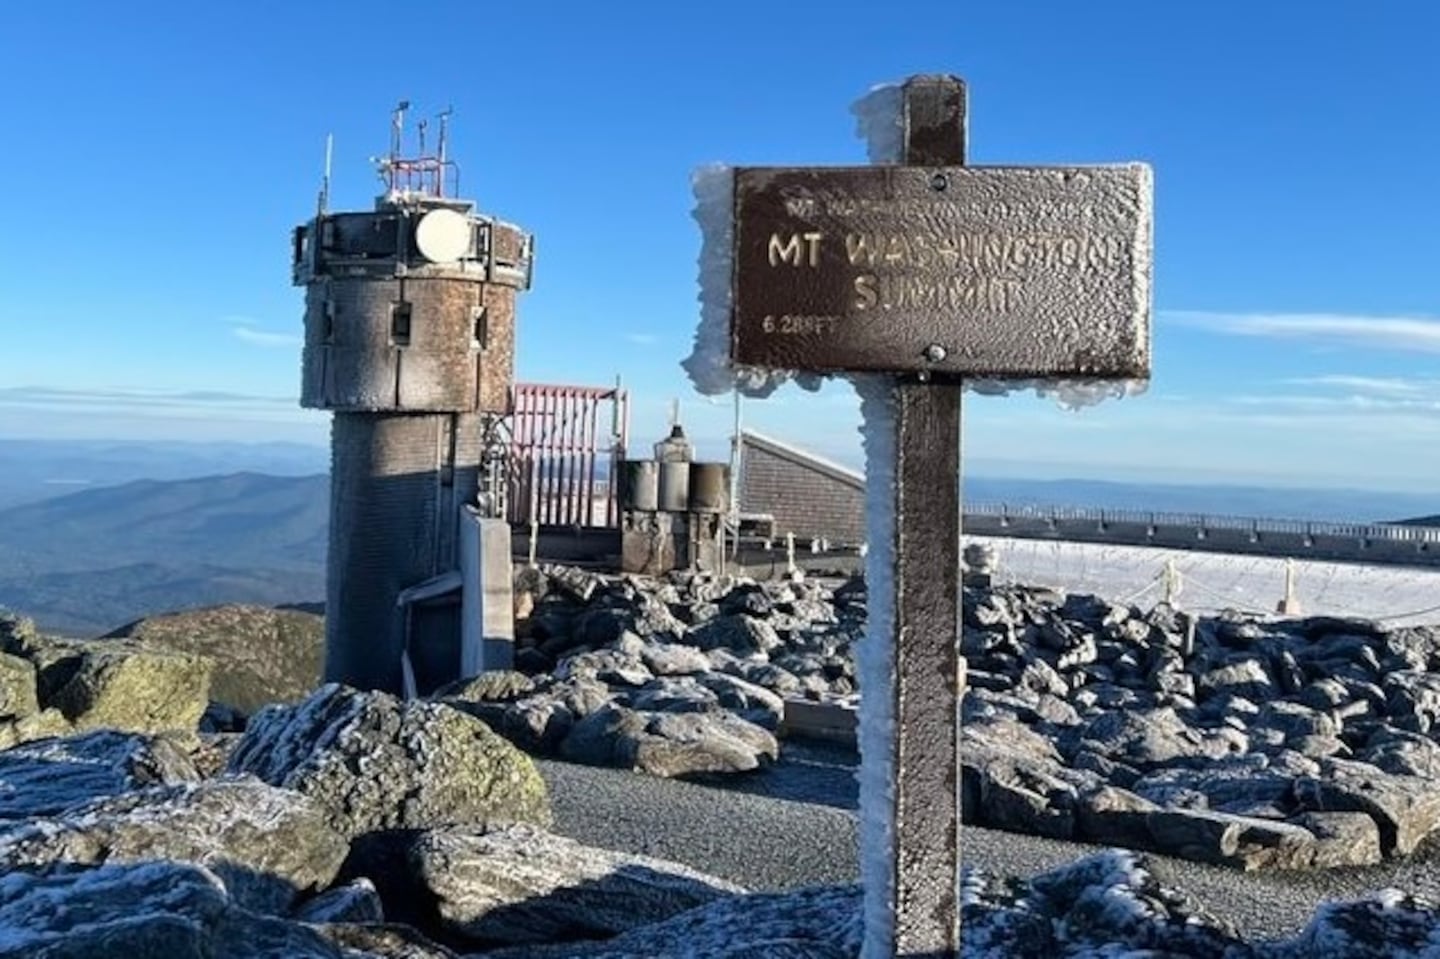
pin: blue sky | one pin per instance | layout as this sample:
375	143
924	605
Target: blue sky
158	155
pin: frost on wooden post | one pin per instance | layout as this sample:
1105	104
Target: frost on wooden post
875	664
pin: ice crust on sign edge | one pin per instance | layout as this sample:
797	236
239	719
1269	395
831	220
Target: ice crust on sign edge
708	364
880	124
875	666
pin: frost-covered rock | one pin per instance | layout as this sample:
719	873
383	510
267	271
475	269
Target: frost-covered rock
821	922
49	776
164	910
669	744
355	901
267	845
374	762
1104	904
524	885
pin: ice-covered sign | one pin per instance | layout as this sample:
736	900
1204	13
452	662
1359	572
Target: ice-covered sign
920	276
992	271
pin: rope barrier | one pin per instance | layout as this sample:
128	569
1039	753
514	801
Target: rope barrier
1377	587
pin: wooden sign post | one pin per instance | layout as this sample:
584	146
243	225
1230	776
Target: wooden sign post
930	271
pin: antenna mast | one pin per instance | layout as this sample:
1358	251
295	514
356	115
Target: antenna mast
444	118
324	201
397	132
424	173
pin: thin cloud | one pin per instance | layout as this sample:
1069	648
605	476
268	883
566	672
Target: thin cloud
642	339
265	338
1353	404
1375	385
1408	333
117	398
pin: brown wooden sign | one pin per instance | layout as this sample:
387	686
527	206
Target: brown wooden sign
952	271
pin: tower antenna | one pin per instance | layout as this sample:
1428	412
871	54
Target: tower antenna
324	202
397	130
444	118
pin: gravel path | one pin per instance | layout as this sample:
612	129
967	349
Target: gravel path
794	825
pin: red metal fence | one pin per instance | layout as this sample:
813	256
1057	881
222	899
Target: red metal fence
566	445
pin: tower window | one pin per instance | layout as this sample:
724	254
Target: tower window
300	233
400	323
481	332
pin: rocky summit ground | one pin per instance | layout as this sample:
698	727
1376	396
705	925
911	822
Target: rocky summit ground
354	824
1284	744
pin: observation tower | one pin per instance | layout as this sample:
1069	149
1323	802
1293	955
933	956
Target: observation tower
409	342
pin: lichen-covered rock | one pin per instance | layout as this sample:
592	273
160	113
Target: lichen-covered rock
268	845
261	655
524	885
41	725
50	776
152	909
17	686
488	687
374	762
135	690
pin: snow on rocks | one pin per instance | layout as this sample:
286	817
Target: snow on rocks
1224	739
682	676
373	762
377	831
524	885
1259	744
266	845
50	776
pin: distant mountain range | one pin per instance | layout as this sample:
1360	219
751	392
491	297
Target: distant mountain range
89	561
32	470
85	562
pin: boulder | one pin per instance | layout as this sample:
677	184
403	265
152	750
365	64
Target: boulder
524	885
45	724
1388	924
260	655
822	922
50	776
355	901
1105	904
18	695
611	666
374	762
377	940
142	911
669	744
1147	738
267	845
735	632
135	690
1406	808
673	659
496	686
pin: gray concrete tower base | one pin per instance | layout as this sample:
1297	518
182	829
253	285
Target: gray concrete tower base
397	483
